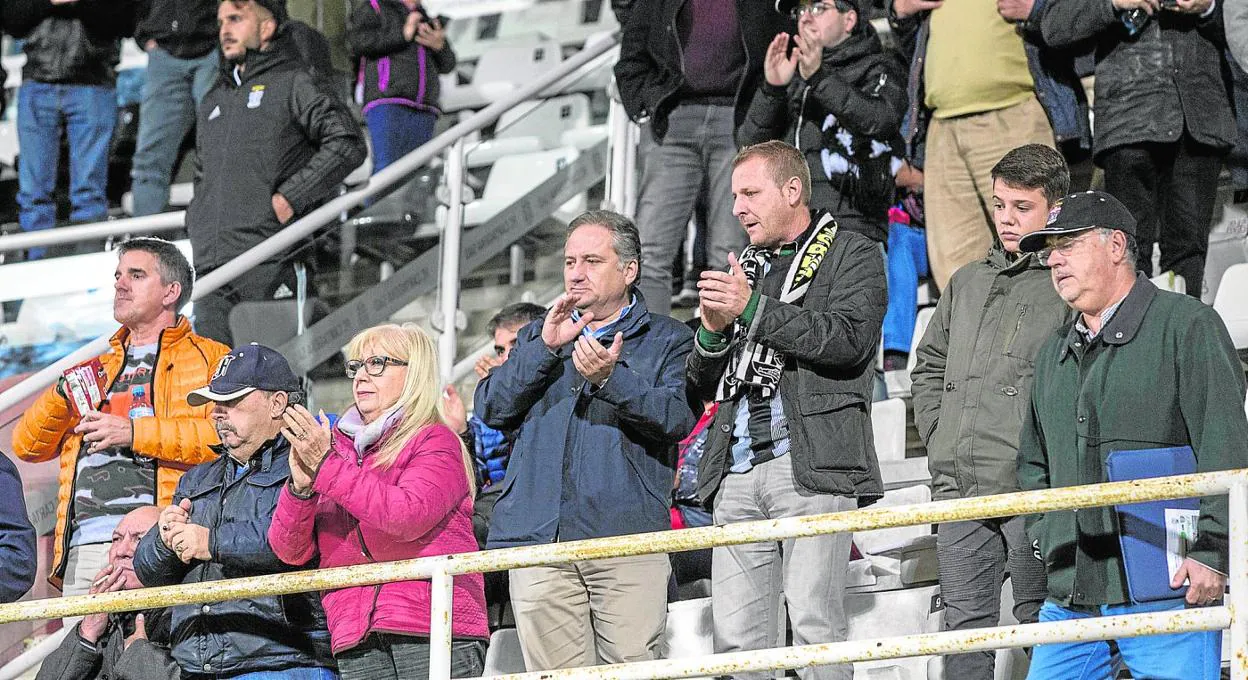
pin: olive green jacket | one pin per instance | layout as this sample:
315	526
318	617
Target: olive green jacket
972	379
1162	373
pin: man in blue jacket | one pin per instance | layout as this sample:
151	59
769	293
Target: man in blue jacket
17	536
595	394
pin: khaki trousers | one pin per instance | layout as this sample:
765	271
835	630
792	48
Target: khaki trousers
616	606
957	180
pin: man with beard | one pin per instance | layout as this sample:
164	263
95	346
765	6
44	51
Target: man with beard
271	146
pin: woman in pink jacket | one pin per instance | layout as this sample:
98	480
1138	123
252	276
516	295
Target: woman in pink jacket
389	482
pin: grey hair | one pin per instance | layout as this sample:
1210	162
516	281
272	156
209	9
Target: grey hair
1132	248
625	239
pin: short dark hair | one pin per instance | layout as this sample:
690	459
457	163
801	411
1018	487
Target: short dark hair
515	314
1035	166
625	239
784	160
171	264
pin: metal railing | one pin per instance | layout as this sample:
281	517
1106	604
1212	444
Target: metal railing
301	229
1233	614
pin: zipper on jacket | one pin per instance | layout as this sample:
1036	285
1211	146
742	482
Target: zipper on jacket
368	622
1009	343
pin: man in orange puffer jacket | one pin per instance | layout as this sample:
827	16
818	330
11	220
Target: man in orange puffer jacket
132	451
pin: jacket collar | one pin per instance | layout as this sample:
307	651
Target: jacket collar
1000	260
278	53
1126	322
269	450
180	329
860	44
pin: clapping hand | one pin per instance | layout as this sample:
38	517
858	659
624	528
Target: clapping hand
723	296
309	439
593	361
558	329
779	64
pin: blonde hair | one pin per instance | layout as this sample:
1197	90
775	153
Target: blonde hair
421	400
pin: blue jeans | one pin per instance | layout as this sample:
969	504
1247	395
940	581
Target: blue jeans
397	130
172	90
907	261
315	673
694	156
88	114
1178	656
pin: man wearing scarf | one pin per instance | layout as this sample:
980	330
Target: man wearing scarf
787	344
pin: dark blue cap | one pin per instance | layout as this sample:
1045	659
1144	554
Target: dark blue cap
245	369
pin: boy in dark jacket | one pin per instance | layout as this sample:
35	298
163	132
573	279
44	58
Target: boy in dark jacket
401	51
832	91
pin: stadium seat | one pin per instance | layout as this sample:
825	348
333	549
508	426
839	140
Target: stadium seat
1231	303
689	629
532	126
910	611
888	425
511	178
501	71
1171	282
503	656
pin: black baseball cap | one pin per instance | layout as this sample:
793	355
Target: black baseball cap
1081	212
786	6
277	8
245	369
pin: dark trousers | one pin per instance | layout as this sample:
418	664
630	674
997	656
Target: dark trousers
268	281
383	656
1170	188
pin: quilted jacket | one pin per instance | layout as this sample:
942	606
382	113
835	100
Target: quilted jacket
177	437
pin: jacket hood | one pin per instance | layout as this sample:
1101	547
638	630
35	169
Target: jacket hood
862	43
1000	260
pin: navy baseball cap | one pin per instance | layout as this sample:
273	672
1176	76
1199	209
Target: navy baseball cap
245	369
1081	212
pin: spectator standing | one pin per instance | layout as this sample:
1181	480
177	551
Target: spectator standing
130	645
1090	398
596	398
687	72
17	537
68	84
787	347
132	451
839	98
217	528
964	117
1163	117
401	50
180	38
271	145
390	481
971	386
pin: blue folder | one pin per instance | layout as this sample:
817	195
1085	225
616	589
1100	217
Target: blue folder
1142	526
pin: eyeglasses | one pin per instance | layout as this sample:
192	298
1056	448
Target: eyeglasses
1064	245
374	366
817	8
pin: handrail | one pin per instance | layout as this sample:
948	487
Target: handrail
146	224
327	213
865	519
440	569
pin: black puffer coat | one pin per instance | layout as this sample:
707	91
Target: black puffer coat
75	43
846	120
236	636
1170	76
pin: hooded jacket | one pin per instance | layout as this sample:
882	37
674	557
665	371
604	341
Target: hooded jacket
972	382
267	129
392	69
846	120
76	43
178	437
589	462
270	633
420	506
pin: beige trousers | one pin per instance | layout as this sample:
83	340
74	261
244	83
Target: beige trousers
957	179
616	607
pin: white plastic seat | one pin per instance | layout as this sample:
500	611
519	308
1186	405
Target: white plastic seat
888	426
500	71
533	126
1171	282
504	656
873	615
1231	303
513	177
689	629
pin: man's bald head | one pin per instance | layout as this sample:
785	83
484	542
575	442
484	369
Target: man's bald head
132	528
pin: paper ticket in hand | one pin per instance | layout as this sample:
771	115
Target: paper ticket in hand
85	385
1180	535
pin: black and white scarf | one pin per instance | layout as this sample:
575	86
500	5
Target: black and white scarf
752	363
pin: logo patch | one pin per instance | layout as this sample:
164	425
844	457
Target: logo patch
222	366
216	113
1053	213
254	97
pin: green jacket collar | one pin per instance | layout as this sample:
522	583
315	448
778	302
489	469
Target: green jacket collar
1126	322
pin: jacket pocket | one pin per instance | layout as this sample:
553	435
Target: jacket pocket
838	431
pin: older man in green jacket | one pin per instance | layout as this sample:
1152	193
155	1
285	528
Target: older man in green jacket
1137	368
971	388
